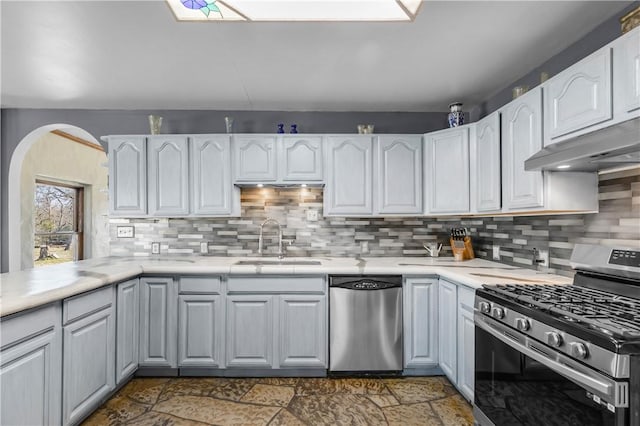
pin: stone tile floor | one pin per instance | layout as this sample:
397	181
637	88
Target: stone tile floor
285	401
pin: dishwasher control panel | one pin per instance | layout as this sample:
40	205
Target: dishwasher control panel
367	285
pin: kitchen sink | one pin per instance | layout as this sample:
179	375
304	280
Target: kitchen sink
284	262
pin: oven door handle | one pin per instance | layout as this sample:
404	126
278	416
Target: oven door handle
599	387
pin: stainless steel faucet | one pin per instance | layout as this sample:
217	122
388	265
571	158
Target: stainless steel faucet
271	220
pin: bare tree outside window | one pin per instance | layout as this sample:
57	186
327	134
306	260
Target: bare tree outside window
58	223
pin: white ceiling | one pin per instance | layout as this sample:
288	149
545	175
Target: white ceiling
135	55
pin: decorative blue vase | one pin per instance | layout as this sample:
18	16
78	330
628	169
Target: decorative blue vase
280	128
456	116
294	128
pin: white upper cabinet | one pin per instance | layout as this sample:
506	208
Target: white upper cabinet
521	138
127	175
398	175
168	162
349	176
301	158
485	165
255	158
579	97
447	171
213	192
626	75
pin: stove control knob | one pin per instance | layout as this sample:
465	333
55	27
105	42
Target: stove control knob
485	308
579	350
554	339
497	312
523	324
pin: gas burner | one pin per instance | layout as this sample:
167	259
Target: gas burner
606	313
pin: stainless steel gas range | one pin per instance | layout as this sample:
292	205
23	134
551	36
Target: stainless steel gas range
562	354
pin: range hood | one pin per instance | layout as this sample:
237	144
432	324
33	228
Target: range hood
614	146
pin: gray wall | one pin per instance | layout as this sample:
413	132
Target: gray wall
606	32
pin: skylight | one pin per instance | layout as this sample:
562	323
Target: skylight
294	10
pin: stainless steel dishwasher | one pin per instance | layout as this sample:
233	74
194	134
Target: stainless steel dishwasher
365	324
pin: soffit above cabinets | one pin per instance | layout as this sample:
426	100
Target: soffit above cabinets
136	55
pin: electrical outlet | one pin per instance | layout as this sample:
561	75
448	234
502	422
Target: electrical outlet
364	247
496	252
204	247
312	215
543	256
155	248
125	231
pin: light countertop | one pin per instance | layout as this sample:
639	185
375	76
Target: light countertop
34	287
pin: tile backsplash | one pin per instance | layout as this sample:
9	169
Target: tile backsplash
617	223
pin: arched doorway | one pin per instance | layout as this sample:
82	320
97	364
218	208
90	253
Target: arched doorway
36	157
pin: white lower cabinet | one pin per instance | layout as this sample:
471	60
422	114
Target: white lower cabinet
199	330
127	326
276	322
420	309
250	331
158	322
31	367
88	353
447	315
457	335
466	342
200	322
303	331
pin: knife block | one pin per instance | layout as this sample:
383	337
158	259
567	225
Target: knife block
462	246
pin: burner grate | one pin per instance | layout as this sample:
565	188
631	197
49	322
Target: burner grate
599	310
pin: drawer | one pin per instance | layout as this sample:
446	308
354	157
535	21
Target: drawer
276	284
200	285
24	325
84	304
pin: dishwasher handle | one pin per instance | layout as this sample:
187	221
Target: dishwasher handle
365	283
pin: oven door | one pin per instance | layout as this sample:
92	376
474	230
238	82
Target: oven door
519	381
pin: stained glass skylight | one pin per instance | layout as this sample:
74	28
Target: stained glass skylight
295	10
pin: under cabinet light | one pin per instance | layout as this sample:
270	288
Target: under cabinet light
563	166
295	10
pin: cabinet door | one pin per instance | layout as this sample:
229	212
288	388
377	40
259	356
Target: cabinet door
580	96
127	326
486	185
521	138
158	328
168	175
349	179
466	342
255	158
420	300
250	331
213	190
199	330
626	73
128	175
303	331
301	158
30	381
447	176
447	313
398	174
88	364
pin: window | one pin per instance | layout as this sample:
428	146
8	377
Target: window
58	223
